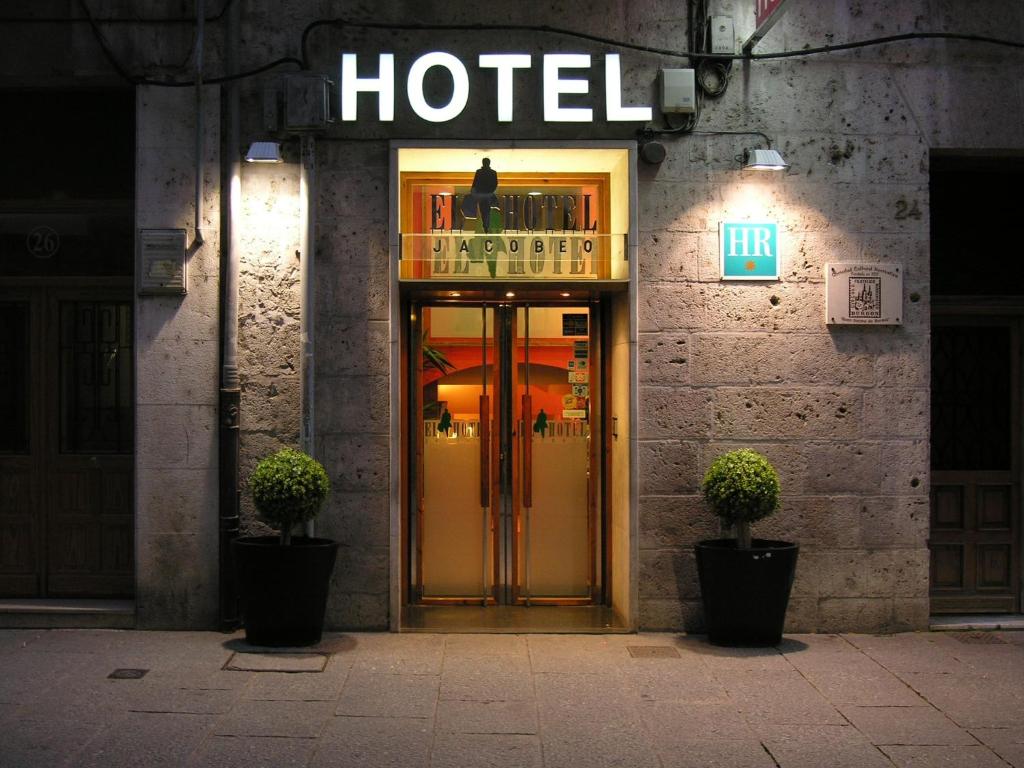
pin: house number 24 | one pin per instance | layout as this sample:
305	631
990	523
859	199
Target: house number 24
905	210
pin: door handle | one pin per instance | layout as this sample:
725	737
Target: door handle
485	451
527	438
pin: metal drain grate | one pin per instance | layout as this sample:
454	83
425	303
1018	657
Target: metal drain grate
979	638
652	652
127	674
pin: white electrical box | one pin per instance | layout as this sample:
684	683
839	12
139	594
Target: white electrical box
678	91
722	34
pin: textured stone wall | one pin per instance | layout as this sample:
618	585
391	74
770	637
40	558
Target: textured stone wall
268	321
842	412
177	357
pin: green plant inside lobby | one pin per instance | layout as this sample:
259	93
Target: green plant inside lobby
284	580
744	582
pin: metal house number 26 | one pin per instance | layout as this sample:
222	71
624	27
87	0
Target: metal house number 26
42	242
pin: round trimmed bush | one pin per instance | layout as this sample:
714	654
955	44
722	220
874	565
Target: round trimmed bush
741	487
289	487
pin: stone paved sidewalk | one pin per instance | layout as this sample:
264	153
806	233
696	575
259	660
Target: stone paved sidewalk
637	701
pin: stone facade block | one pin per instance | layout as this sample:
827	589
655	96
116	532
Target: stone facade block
836	467
668	573
757	412
349	611
893	521
678	206
347	404
814	522
905	468
176	436
177	587
775	359
675	522
361	570
667	256
880	573
667	467
664	358
898	413
910	614
797	206
199	357
349	346
177	501
356	462
356	519
675	412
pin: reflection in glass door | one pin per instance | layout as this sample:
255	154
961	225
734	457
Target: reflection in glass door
505	506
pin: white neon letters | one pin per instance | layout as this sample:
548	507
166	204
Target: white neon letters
504	63
383	84
555	83
460	87
613	94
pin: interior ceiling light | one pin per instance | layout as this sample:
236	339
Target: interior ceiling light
510	294
264	152
763	160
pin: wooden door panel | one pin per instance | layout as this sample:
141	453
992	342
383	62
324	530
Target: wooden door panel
19	534
975	498
20	445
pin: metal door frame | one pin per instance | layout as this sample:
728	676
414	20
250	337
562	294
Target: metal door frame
501	549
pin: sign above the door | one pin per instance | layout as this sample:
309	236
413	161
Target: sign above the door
562	74
528	226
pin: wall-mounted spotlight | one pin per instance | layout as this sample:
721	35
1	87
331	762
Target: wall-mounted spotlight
264	152
763	160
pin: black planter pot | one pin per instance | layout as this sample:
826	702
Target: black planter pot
283	589
745	591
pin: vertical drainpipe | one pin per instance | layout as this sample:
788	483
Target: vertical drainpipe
230	393
200	126
307	239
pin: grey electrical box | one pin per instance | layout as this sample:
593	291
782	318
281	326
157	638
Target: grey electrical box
678	93
161	261
722	34
307	102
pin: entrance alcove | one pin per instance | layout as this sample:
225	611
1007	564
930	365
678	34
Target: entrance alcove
513	295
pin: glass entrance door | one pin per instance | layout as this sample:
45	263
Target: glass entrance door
505	464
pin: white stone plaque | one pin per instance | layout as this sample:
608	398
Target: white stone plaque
161	261
863	294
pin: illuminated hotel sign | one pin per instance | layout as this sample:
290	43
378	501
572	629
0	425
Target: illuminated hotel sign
550	227
562	74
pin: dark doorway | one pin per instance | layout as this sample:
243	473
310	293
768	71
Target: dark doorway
977	323
66	344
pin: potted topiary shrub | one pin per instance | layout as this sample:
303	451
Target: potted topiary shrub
283	580
744	582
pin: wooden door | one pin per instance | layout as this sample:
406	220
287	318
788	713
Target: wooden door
66	489
21	445
975	493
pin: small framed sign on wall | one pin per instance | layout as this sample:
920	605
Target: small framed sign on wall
749	250
863	294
